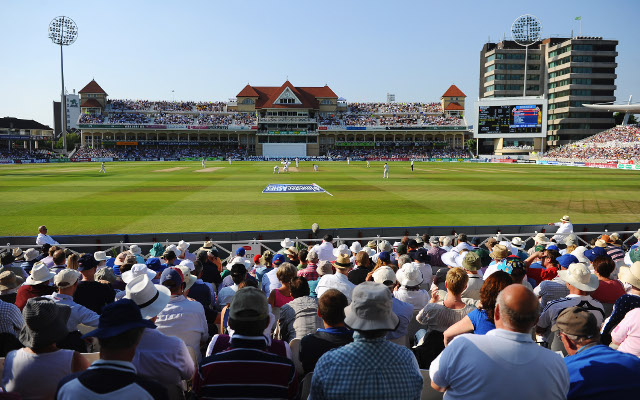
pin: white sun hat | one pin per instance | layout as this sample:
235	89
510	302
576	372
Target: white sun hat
150	298
286	243
355	247
137	270
342	249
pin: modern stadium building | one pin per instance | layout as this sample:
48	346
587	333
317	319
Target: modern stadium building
272	121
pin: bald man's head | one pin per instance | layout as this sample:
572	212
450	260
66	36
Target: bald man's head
517	309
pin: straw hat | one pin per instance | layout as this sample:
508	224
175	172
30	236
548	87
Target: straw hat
499	252
631	275
343	261
9	280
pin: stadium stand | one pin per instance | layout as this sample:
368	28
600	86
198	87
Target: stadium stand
172	366
618	143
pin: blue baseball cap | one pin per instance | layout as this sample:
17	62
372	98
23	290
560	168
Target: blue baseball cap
552	247
567	260
595	252
384	256
173	274
154	264
241	252
278	259
117	318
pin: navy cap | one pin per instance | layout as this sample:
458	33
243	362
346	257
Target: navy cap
421	255
117	318
154	264
566	260
278	259
241	252
384	256
86	262
173	274
595	252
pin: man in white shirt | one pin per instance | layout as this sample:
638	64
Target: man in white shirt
386	171
181	317
325	249
67	282
44	238
564	228
339	280
163	358
510	360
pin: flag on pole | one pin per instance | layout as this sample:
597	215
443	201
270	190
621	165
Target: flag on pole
578	19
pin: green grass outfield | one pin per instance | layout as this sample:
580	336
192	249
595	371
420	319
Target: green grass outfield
135	197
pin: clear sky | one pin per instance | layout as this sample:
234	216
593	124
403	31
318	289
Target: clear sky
209	50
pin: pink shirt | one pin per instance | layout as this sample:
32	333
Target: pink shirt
627	333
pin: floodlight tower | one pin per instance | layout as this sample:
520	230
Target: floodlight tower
63	31
526	31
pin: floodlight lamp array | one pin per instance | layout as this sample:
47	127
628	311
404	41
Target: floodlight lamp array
526	30
63	31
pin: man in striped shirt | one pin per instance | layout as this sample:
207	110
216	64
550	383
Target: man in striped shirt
246	369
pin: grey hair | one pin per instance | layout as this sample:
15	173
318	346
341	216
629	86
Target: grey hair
312	256
521	322
404	259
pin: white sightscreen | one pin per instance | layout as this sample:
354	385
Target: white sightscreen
281	150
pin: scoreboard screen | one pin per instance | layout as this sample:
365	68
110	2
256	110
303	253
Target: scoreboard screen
510	119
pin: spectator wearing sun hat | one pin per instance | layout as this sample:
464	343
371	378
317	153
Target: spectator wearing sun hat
239	259
35	370
355	248
323	268
90	293
564	227
184	248
135	250
9	285
36	285
403	310
30	257
499	253
114	375
181	317
471	263
339	280
580	282
7	259
410	279
371	315
158	356
101	259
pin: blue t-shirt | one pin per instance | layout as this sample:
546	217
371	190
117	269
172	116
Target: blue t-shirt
599	372
481	325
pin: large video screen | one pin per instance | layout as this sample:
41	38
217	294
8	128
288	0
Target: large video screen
510	119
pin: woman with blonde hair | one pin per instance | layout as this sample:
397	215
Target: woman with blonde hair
72	261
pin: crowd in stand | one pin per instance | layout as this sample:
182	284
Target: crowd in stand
128	118
394	108
149	152
396	152
140	105
40	154
618	143
356	119
91	119
558	318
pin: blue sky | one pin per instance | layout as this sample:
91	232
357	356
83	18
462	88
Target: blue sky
208	50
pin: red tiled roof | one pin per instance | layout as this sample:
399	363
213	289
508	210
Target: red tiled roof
453	91
454	107
247	92
91	103
92	87
268	94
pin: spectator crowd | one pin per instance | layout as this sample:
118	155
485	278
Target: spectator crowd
558	316
618	143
